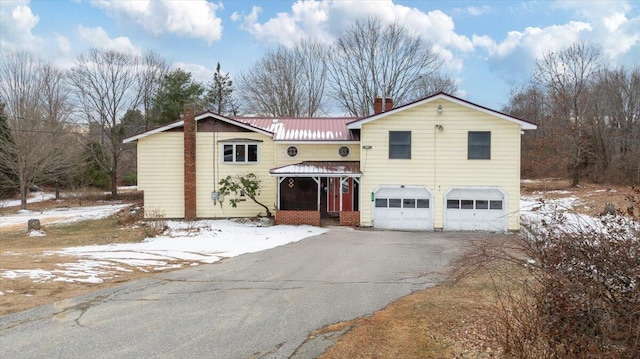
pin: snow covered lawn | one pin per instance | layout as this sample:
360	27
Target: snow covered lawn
60	215
184	243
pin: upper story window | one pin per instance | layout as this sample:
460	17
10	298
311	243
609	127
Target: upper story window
292	151
479	145
400	144
343	151
240	153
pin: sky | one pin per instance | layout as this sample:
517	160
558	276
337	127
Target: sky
488	46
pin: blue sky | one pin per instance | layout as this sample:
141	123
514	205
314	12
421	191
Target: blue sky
489	46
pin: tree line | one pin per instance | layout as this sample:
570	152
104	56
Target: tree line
588	113
64	127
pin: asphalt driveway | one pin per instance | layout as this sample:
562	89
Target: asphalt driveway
259	305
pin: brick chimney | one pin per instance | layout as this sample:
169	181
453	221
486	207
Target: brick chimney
189	163
388	104
377	105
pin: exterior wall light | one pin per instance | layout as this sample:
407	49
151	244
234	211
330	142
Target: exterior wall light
440	110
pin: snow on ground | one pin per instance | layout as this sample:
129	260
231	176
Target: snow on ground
534	209
33	197
61	215
184	243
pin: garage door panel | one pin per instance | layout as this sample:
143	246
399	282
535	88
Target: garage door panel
400	208
475	209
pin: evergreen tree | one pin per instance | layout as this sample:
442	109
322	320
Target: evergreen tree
5	141
176	89
220	94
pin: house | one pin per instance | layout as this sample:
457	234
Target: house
437	163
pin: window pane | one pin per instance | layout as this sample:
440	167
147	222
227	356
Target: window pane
453	203
381	202
228	153
423	203
479	145
408	203
466	204
482	204
253	153
400	144
240	153
395	202
495	204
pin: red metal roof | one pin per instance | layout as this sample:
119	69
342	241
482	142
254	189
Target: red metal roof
326	168
304	129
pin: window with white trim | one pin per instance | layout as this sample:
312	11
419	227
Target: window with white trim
479	145
400	144
240	153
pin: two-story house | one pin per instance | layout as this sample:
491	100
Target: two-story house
438	163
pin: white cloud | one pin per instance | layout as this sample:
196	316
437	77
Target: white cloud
64	46
473	10
618	34
98	37
514	56
324	20
16	23
195	18
198	72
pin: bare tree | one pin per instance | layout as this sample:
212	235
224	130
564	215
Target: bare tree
566	76
107	85
154	68
613	115
39	147
286	82
371	59
431	84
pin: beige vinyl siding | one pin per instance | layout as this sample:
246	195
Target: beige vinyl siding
439	159
207	183
315	152
161	174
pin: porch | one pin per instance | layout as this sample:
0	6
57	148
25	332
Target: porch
313	191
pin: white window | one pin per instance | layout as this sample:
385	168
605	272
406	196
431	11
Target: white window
240	153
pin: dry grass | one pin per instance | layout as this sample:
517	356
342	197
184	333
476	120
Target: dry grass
447	321
593	197
20	251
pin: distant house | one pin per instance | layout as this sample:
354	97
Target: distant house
437	163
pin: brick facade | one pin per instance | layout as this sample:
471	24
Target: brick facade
189	164
350	218
298	217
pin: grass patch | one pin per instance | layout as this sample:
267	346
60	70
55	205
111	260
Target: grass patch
451	320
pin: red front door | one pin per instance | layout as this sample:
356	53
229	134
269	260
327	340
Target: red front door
334	191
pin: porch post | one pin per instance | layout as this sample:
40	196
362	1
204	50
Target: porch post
280	179
340	182
317	179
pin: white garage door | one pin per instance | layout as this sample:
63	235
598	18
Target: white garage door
403	208
475	209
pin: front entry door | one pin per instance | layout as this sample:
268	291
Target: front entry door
333	194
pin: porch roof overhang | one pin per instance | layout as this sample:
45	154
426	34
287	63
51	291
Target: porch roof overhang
319	169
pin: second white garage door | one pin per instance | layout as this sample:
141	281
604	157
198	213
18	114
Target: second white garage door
475	209
403	208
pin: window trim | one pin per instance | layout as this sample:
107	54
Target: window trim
395	156
478	151
233	153
347	149
292	147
